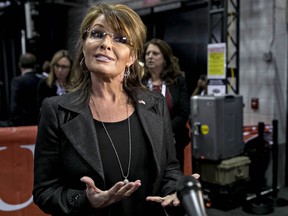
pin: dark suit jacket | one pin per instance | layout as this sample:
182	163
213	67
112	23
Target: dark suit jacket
181	110
44	91
23	105
67	149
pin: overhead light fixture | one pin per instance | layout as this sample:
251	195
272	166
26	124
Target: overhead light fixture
5	4
166	7
143	12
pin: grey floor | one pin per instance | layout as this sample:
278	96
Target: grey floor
278	210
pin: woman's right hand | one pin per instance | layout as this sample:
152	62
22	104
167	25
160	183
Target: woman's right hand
100	199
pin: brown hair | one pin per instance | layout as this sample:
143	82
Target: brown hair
172	69
46	66
27	60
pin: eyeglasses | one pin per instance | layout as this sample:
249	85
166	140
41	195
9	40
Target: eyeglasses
95	35
64	67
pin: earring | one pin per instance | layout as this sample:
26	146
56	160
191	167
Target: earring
127	73
82	62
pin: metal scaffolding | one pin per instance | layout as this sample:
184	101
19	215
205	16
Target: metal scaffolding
224	28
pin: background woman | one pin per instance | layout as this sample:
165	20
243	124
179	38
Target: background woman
59	77
163	75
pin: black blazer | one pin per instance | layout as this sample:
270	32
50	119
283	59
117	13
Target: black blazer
23	106
67	149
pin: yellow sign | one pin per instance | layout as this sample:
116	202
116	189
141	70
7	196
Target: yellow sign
216	61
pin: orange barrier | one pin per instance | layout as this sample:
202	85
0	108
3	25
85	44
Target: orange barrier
251	132
16	174
187	167
187	160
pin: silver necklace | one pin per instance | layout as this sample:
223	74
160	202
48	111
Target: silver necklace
113	146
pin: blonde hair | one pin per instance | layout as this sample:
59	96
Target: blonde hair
56	57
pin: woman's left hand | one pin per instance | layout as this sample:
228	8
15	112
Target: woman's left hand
169	200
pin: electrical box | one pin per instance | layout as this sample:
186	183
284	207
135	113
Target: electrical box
217	125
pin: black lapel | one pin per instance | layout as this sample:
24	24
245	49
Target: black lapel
81	132
152	124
